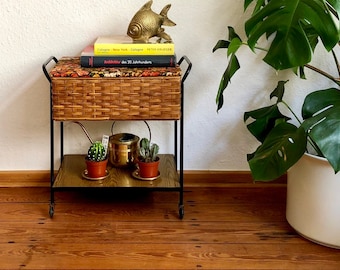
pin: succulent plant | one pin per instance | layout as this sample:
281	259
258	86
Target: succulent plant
96	152
147	151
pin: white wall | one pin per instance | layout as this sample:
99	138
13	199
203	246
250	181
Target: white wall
31	31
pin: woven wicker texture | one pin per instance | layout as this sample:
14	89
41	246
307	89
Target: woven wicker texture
115	98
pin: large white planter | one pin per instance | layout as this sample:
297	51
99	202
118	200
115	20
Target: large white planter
313	201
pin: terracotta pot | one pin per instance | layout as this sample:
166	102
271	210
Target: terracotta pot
313	200
148	169
96	169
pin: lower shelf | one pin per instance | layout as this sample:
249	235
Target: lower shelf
72	167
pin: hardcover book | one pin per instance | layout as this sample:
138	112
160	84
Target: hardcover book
124	45
88	59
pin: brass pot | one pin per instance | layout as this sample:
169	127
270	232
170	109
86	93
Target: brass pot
123	149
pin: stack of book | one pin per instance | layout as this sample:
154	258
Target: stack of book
120	51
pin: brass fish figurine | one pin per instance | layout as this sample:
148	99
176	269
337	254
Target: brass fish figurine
146	24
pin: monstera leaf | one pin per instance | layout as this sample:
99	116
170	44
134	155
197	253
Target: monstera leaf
287	32
265	119
292	29
233	44
321	113
294	26
282	143
283	147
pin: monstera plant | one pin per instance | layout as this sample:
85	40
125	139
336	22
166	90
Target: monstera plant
292	29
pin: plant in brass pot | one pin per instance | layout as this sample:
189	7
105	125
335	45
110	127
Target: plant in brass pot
96	160
286	33
148	161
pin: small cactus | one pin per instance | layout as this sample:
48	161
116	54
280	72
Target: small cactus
148	151
96	152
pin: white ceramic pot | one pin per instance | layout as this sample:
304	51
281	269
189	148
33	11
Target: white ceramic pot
313	200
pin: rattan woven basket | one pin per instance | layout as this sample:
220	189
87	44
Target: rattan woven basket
114	94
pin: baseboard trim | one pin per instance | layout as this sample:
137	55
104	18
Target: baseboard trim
192	178
24	178
225	178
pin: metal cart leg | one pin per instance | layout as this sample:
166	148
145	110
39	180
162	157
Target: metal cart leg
44	67
180	204
181	137
181	156
51	210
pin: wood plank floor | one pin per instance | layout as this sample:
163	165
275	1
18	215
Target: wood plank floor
236	227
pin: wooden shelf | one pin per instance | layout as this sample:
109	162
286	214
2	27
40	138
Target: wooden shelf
72	167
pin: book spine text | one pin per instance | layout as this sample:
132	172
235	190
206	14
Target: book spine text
134	49
129	61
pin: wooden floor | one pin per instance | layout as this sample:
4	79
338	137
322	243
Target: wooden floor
235	227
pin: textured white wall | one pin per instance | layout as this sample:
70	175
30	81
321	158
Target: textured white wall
31	31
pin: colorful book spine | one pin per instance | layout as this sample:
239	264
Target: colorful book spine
128	61
124	46
134	49
88	59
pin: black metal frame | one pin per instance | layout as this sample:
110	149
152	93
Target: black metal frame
176	134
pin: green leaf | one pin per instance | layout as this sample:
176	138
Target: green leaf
318	101
233	64
247	3
233	38
302	73
282	148
321	111
259	4
335	4
264	121
233	34
279	91
267	117
235	44
292	24
221	44
232	67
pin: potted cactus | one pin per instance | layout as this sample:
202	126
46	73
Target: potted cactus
148	161
96	160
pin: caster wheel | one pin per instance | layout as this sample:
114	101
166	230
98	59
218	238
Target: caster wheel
51	211
181	211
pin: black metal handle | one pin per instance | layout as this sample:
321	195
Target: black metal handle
44	67
187	71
